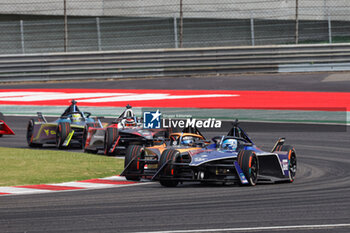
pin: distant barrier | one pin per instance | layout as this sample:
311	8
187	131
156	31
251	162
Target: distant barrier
174	62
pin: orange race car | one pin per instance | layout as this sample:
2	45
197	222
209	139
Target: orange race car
142	162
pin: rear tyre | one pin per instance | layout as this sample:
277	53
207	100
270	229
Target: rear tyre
134	154
62	133
111	135
292	161
85	133
29	136
248	162
1	118
168	156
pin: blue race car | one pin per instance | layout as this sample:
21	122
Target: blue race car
232	158
67	130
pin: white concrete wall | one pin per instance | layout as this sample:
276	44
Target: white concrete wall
52	7
282	9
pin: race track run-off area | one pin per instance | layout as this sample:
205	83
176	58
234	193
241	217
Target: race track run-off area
278	100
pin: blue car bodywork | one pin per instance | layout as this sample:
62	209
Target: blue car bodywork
243	164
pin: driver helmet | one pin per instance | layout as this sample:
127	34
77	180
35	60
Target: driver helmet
229	144
187	140
130	122
76	117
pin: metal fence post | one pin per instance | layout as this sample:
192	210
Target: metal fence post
98	33
296	21
329	29
181	24
22	36
65	25
252	33
175	31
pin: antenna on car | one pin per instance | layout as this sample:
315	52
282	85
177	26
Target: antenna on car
74	106
233	129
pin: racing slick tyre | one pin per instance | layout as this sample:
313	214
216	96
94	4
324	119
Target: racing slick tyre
85	134
133	155
111	135
248	162
168	156
1	118
29	136
62	133
292	160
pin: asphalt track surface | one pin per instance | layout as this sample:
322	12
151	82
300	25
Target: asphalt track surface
319	196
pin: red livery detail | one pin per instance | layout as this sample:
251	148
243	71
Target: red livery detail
5	129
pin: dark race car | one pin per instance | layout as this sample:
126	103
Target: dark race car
114	138
232	158
4	128
142	162
65	131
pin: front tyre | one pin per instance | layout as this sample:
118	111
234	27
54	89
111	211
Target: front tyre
292	161
111	136
29	135
248	162
168	172
133	155
1	118
62	133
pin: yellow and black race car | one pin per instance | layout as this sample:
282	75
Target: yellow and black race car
66	130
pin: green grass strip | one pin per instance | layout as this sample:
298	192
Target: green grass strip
28	166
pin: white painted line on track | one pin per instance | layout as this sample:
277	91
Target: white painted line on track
84	185
251	229
121	178
15	190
